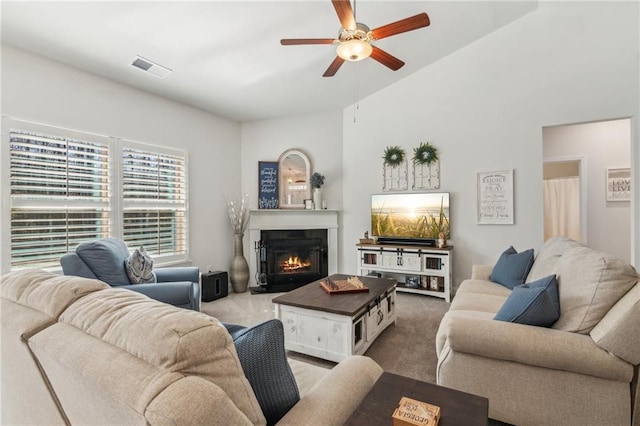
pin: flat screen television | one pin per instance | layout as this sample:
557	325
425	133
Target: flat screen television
410	218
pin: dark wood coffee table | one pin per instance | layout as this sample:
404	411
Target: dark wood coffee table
456	408
334	326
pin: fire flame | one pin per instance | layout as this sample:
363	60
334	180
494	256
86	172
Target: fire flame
294	263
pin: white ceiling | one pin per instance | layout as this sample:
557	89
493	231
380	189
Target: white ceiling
226	56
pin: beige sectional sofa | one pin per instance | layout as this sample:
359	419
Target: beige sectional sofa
77	351
583	370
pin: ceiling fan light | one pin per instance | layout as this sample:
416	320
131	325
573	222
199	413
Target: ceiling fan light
354	50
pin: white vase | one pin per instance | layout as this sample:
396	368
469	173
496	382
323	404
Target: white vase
317	198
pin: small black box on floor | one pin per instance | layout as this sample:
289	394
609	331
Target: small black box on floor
214	285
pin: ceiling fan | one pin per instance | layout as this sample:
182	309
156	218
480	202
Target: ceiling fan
354	40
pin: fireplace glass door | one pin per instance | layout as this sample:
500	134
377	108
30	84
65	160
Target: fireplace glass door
292	258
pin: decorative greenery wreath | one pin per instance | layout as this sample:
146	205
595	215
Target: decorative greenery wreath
425	154
393	156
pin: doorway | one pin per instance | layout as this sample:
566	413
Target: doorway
562	199
598	147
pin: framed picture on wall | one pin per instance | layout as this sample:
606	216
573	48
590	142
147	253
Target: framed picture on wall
619	184
268	184
495	198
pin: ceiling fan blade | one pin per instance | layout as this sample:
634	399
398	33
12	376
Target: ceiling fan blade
334	67
401	26
295	41
386	59
345	14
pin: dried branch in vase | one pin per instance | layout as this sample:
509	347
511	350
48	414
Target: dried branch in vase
238	212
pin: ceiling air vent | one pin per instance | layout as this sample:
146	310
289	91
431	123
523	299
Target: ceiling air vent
151	67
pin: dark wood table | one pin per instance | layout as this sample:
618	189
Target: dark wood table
312	296
456	408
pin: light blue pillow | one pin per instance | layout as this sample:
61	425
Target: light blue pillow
534	303
512	267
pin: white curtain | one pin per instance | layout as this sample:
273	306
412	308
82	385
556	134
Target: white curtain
562	208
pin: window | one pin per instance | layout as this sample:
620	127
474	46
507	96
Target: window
66	187
154	201
59	196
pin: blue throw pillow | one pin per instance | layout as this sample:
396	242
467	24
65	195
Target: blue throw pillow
264	362
534	303
512	267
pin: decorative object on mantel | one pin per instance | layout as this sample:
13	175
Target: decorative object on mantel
426	167
293	179
238	213
316	181
268	184
394	172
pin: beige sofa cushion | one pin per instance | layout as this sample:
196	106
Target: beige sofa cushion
619	330
548	257
589	284
46	292
179	341
32	300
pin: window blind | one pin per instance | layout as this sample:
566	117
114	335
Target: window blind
154	201
59	196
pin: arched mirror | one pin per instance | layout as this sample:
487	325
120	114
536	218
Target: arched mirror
295	170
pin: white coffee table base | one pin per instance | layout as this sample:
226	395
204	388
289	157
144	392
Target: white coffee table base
333	336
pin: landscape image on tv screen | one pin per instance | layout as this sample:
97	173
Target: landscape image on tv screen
417	215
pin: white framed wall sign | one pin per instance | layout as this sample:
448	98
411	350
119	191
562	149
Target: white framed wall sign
619	184
495	198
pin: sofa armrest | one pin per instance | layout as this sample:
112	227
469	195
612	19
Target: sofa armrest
185	294
535	346
481	272
332	400
182	273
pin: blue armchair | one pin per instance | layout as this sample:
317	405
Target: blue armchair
105	260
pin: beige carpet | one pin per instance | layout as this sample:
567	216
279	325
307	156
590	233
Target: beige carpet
406	348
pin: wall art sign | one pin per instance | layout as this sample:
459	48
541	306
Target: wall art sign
495	198
268	184
619	184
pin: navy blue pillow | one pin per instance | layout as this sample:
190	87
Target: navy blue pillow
512	267
264	361
534	303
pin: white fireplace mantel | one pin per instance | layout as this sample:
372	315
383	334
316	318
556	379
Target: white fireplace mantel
271	219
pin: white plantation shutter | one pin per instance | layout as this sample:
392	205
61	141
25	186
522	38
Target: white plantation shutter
59	190
66	187
154	200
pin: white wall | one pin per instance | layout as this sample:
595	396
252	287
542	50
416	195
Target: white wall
602	145
43	91
484	108
317	135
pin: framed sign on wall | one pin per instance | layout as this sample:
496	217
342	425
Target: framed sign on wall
495	198
619	184
268	184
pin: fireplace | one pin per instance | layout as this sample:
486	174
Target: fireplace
291	222
290	258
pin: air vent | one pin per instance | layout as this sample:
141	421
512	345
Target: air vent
151	67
